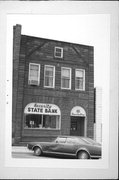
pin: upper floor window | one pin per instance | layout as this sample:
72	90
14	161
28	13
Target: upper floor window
58	52
65	78
49	76
34	74
80	79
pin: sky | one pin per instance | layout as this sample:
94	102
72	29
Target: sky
93	29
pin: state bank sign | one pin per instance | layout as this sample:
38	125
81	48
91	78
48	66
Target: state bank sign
39	108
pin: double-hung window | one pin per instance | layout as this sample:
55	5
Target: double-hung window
65	78
80	79
34	74
49	76
58	52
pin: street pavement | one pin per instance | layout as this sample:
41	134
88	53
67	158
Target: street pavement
23	152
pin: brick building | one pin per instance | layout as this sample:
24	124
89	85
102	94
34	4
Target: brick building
53	88
98	114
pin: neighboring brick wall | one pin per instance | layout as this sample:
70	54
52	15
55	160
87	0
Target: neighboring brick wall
16	51
98	114
90	125
38	50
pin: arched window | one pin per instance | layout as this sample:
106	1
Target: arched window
42	116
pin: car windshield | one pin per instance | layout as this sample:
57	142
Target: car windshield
69	140
74	140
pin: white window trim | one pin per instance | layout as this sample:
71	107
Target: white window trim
38	73
53	77
83	82
70	77
56	47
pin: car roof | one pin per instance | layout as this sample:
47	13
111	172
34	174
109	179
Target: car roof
82	138
70	136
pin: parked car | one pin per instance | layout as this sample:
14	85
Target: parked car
77	147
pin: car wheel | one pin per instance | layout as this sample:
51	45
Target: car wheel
37	151
82	155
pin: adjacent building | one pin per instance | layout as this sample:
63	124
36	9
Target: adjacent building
98	114
53	88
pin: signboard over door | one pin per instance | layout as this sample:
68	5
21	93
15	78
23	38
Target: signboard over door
78	111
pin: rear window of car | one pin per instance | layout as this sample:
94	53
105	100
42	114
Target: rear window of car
89	141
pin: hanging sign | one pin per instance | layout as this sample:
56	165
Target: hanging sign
39	108
78	111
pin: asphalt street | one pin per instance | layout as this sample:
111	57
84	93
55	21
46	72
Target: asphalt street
23	152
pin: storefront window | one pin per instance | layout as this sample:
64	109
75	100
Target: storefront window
42	116
42	121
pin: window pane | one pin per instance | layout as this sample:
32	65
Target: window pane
50	121
65	79
79	73
57	122
33	121
66	73
79	83
79	79
49	71
65	83
59	52
34	67
49	76
34	72
49	81
34	75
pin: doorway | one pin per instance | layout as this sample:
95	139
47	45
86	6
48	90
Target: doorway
77	126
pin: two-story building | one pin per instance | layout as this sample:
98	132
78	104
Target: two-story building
53	88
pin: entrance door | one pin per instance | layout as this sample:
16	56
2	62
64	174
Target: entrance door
77	126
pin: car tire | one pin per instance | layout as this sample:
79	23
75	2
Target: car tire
37	151
82	155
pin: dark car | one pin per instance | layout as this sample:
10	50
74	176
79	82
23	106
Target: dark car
78	147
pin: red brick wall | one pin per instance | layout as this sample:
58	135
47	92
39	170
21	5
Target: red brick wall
16	51
38	50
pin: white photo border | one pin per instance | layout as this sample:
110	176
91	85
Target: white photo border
107	166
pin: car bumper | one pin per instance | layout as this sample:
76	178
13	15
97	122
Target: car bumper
29	146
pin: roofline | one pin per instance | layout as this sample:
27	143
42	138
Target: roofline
65	42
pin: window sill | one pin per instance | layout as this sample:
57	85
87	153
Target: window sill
80	90
49	87
42	129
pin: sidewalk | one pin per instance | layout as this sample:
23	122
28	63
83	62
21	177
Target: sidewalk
20	149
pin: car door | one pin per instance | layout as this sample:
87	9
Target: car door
58	145
66	146
48	146
70	146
